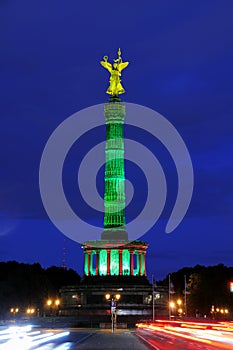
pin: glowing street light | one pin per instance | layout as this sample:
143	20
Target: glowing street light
53	304
14	310
180	310
107	296
57	302
172	304
179	302
176	305
171	308
216	311
49	302
118	296
30	311
114	298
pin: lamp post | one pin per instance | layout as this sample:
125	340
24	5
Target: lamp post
218	312
14	311
53	304
171	307
113	300
175	306
179	310
30	311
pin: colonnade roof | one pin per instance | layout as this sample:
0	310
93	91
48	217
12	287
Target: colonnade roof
103	244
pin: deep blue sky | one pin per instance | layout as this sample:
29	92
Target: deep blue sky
180	54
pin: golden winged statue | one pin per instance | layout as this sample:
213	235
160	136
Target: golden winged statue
115	88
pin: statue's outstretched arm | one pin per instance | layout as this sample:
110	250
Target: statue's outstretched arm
106	65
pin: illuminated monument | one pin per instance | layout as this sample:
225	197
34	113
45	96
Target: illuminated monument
113	264
114	254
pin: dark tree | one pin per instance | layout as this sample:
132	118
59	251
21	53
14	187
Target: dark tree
208	286
25	285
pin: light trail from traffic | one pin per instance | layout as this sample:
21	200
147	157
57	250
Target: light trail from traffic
213	335
23	338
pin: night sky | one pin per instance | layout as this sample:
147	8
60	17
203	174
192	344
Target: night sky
181	65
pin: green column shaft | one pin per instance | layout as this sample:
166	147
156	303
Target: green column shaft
114	196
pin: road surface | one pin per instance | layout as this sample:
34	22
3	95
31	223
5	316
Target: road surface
153	336
32	338
122	339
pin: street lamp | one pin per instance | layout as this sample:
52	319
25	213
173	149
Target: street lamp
30	311
179	310
49	302
14	310
118	296
176	306
219	312
53	304
113	299
57	302
107	296
171	306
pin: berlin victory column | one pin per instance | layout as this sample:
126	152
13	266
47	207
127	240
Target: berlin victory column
114	266
114	254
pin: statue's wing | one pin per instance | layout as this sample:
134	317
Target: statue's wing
122	65
106	65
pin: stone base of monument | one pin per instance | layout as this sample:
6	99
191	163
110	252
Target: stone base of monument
87	301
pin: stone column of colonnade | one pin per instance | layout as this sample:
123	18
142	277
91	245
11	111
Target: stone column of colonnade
90	270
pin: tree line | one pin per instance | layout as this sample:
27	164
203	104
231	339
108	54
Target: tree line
208	289
30	285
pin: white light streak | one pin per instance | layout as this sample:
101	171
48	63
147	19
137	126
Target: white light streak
23	338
